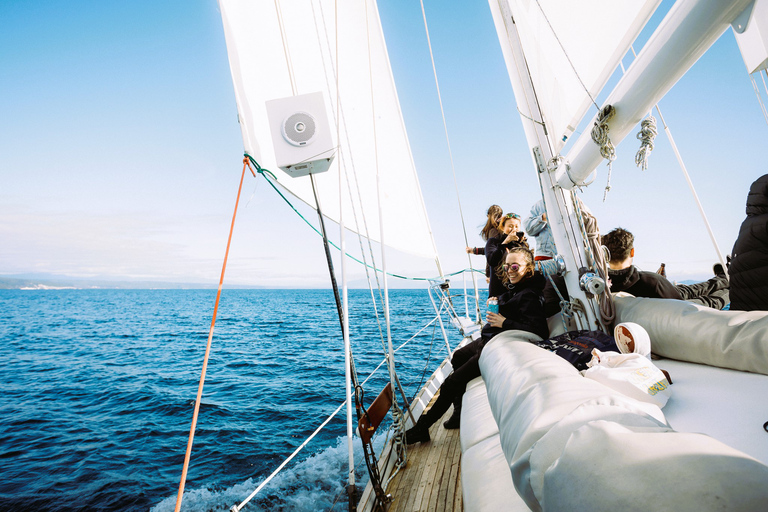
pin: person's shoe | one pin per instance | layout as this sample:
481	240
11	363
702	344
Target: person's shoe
416	435
718	269
454	421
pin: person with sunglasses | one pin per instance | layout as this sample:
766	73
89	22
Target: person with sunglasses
520	308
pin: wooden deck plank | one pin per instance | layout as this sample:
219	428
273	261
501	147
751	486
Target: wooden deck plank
429	483
440	487
447	498
455	489
427	480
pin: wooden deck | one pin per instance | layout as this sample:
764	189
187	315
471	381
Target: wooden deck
431	482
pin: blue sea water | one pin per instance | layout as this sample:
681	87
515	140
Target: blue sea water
98	389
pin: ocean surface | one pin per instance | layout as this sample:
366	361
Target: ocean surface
98	390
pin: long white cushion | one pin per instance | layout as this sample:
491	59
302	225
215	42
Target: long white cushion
690	332
477	423
573	444
485	480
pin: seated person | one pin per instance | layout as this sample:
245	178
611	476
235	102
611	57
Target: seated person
520	308
749	267
625	277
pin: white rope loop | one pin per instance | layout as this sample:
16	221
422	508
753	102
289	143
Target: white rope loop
600	133
647	134
602	138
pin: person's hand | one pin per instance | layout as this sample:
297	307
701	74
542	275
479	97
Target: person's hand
495	319
512	237
469	250
487	280
544	217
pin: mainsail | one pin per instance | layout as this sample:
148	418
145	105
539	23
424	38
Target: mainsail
280	49
568	69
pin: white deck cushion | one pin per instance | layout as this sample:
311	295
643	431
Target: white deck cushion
477	423
485	480
690	332
573	444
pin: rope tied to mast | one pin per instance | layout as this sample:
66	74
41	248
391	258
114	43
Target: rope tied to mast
602	138
596	254
647	134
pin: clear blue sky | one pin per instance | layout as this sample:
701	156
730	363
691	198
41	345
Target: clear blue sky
120	151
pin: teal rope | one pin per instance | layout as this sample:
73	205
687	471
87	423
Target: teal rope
265	172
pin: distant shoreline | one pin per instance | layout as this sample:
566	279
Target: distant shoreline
55	284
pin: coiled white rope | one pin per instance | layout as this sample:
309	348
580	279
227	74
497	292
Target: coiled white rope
647	134
602	138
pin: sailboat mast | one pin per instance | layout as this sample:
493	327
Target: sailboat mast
561	212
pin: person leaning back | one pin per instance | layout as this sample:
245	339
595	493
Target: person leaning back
625	277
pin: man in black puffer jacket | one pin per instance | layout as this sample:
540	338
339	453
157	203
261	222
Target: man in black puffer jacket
749	263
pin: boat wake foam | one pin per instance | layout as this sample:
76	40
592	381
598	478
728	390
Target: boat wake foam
312	484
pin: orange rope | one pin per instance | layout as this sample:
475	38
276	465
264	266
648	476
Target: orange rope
246	164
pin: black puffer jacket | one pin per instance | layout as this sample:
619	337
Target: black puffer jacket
749	263
522	306
642	284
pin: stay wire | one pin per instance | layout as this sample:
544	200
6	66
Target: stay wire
265	172
568	58
198	399
340	120
236	508
450	154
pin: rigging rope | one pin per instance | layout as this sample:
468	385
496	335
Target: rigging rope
566	56
450	154
602	138
687	178
237	508
328	258
339	119
208	346
757	93
605	299
265	172
647	134
286	51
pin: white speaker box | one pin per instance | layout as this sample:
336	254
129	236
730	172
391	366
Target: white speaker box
301	134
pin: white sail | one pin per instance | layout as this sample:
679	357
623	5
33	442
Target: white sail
280	49
571	50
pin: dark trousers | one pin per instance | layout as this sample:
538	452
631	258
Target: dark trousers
712	293
465	362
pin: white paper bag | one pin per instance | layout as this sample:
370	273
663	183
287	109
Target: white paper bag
631	374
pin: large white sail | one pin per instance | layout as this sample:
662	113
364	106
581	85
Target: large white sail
285	48
571	50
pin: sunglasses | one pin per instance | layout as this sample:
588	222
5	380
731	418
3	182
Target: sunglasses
512	216
514	268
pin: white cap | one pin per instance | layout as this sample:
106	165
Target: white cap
630	332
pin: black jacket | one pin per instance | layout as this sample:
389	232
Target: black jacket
523	308
495	252
749	264
642	284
